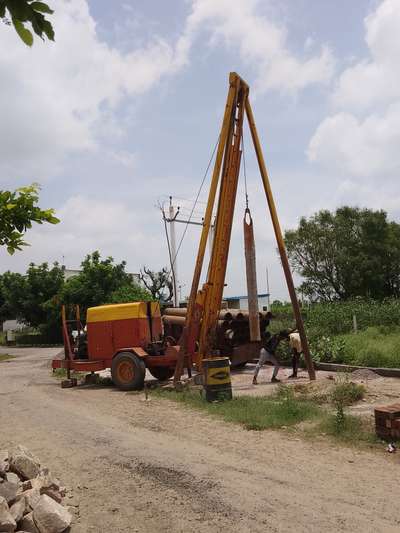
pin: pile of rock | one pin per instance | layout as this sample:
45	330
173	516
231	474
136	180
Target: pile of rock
30	498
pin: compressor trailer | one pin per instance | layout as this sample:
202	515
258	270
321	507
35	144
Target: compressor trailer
127	338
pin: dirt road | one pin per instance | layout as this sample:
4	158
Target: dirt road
154	467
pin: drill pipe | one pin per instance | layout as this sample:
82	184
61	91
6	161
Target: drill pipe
224	314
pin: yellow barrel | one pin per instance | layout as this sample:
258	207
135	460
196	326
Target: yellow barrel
217	379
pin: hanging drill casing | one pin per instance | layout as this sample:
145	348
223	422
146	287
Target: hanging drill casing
251	276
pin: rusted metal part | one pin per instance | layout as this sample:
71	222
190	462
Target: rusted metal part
232	335
83	365
245	353
251	276
224	314
179	320
387	421
70	348
279	240
68	383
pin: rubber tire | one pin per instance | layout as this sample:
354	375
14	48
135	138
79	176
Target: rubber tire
162	373
138	367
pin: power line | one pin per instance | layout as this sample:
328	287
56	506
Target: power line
195	202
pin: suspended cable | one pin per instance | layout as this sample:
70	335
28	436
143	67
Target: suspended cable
244	173
195	203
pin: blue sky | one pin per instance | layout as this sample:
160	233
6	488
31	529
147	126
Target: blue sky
125	107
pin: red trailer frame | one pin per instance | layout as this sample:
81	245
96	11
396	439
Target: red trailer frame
70	362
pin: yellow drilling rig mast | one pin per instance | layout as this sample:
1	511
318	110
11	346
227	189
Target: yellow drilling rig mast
204	304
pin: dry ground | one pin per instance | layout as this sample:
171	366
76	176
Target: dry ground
153	466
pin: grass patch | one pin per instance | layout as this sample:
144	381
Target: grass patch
353	430
61	373
288	408
6	356
254	413
374	346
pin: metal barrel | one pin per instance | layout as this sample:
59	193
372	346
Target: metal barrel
217	379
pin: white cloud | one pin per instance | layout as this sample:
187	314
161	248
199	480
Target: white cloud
89	224
375	80
125	158
262	44
55	95
59	98
361	147
363	136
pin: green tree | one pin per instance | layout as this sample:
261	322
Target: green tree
27	12
349	253
129	293
5	312
18	209
33	298
97	281
159	284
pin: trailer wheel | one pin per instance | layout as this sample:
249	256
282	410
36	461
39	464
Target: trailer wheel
162	373
128	371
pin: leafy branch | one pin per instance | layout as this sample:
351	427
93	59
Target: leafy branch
22	12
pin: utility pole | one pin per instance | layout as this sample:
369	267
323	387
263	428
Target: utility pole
174	266
268	293
172	219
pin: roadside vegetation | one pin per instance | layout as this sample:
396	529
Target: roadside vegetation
35	298
6	357
254	413
330	330
299	409
61	373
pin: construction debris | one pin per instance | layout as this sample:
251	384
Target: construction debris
364	374
30	498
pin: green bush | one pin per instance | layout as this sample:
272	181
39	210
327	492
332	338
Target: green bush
328	349
345	392
34	339
335	318
330	331
373	347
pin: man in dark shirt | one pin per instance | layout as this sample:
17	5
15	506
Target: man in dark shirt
267	353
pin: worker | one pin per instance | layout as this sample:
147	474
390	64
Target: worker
297	350
267	353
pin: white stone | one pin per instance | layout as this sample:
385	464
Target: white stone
12	478
28	524
24	463
8	491
4	456
32	497
45	481
7	522
50	516
4	463
17	510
